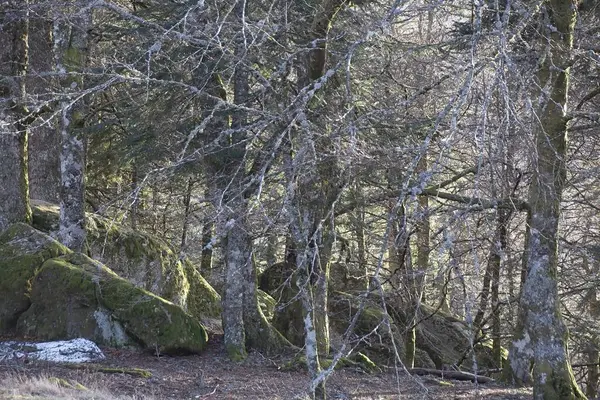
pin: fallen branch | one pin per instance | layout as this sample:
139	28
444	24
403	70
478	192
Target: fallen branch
138	372
456	375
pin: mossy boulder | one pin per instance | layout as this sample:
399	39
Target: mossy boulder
370	335
23	250
442	340
267	304
48	292
280	282
444	337
145	260
75	296
203	302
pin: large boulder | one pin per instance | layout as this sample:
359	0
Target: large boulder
63	295
23	250
145	260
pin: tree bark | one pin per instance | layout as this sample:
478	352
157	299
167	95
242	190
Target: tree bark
71	53
187	200
238	249
542	334
243	322
14	191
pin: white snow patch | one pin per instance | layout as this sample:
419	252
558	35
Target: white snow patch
67	351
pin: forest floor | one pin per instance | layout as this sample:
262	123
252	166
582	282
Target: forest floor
212	376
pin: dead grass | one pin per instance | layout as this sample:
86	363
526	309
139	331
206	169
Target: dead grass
52	388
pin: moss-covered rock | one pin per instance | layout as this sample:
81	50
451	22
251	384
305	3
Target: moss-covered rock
266	303
48	292
370	335
441	339
75	296
145	260
23	250
280	282
445	338
203	302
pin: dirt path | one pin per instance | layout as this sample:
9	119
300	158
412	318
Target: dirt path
211	376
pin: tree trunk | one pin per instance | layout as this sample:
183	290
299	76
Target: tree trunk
593	372
419	274
44	142
187	200
491	283
237	261
14	191
238	249
71	52
499	248
133	211
243	322
541	326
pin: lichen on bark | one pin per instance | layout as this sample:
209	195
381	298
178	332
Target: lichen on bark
542	335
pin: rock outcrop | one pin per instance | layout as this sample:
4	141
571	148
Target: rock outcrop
145	260
49	292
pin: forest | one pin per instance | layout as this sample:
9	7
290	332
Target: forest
345	180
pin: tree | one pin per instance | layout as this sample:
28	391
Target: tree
71	54
14	191
542	335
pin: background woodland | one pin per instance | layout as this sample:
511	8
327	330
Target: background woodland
426	156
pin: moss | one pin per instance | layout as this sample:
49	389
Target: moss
22	252
63	300
236	353
555	383
66	384
364	362
88	288
267	304
146	261
202	301
484	354
45	216
137	372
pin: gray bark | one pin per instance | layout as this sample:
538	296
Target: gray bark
237	261
14	189
542	334
44	142
238	248
71	51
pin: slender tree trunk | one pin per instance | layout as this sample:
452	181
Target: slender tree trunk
71	52
491	283
238	250
593	373
237	262
14	190
206	257
187	200
525	257
542	327
133	212
500	248
485	290
418	274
